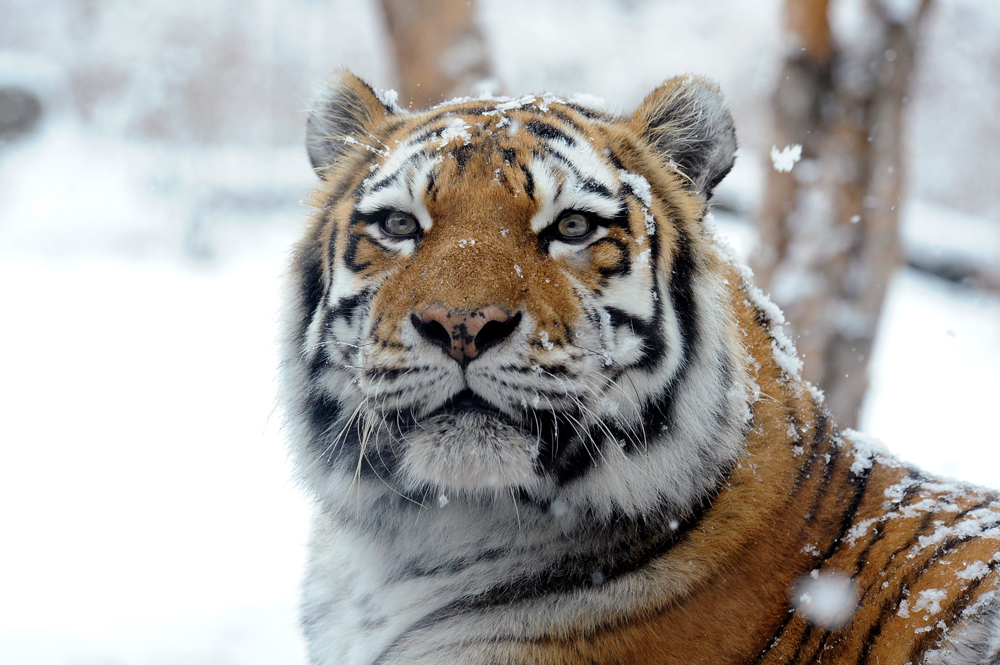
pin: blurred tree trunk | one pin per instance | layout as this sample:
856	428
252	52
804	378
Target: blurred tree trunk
829	227
440	50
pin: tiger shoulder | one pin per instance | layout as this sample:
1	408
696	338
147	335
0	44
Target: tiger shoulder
547	418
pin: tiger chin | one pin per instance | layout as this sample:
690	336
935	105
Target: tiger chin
547	418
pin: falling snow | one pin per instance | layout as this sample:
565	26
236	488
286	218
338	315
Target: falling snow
826	599
783	160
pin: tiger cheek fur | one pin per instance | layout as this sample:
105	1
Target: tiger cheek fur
547	419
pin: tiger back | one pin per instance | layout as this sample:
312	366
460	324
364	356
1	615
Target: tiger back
546	418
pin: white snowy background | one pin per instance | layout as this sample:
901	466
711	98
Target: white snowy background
148	514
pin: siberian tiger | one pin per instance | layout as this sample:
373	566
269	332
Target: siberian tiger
547	419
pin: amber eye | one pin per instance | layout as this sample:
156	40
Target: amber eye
400	224
574	226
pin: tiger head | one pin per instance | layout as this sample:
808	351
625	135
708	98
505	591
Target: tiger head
515	297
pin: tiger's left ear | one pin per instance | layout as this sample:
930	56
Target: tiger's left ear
348	112
687	121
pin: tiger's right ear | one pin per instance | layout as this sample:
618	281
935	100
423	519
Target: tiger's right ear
688	123
345	115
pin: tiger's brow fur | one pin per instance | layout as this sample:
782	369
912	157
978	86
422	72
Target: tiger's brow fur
633	470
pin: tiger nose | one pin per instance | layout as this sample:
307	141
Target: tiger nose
465	335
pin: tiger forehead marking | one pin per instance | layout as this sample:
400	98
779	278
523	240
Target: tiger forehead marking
485	184
546	418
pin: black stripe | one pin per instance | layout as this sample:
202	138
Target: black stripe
595	187
847	520
568	165
462	155
615	161
658	414
309	261
638	542
775	639
875	630
390	179
347	307
574	456
930	638
821	435
411	133
374	374
432	189
544	130
378	457
395	126
805	638
915	572
587	113
529	182
567	118
910	493
651	333
860	484
415	567
557	435
622	265
351	251
806	469
323	411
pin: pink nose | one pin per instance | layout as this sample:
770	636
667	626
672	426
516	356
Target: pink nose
465	335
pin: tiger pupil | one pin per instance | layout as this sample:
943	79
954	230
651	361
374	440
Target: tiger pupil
573	226
400	224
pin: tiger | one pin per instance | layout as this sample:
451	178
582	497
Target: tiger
546	417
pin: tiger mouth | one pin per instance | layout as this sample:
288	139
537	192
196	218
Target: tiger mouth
469	443
466	401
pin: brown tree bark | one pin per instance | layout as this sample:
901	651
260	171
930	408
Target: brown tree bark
829	228
440	50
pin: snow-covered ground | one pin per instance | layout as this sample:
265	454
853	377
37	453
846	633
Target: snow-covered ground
935	377
149	514
147	508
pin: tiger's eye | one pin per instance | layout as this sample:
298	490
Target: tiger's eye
574	226
400	224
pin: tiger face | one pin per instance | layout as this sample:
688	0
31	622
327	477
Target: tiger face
505	296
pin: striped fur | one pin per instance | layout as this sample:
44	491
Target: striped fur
633	470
